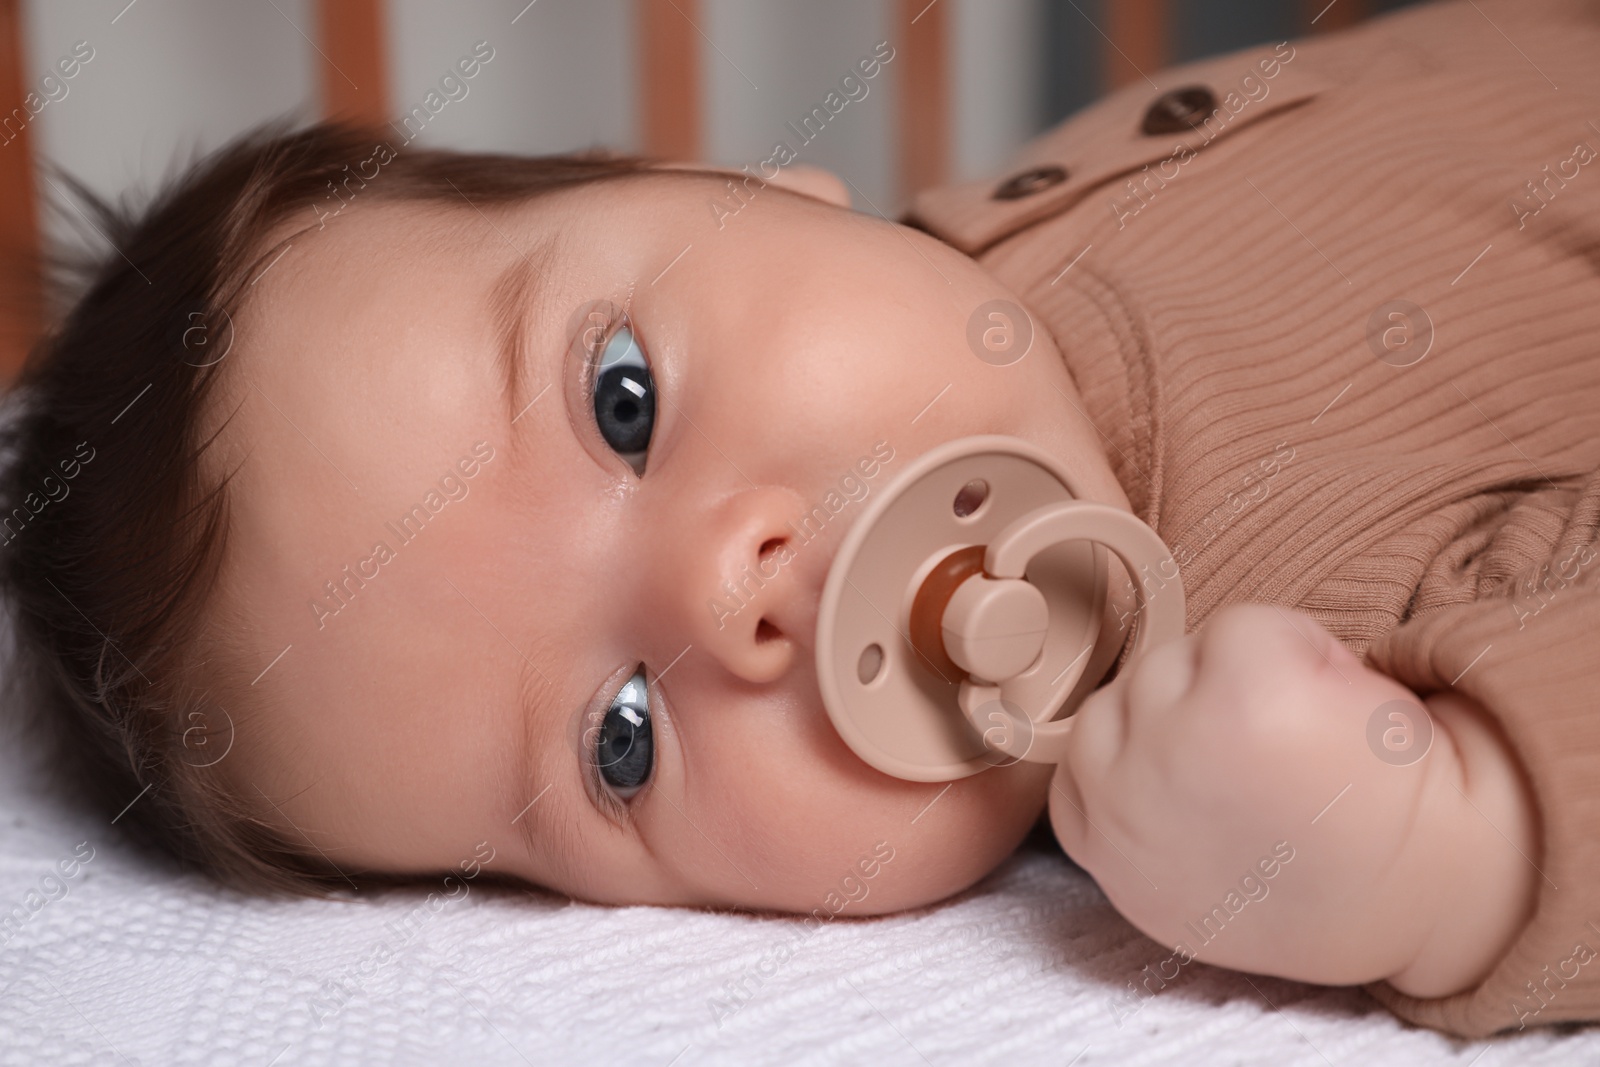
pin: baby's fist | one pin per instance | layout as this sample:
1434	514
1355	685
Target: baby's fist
1246	740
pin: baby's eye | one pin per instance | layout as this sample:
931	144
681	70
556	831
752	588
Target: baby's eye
625	398
625	748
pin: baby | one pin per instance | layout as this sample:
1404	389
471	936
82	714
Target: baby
377	510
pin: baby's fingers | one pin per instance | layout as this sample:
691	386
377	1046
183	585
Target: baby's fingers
1088	809
1067	816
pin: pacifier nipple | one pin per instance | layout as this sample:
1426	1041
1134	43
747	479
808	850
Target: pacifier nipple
955	624
994	627
963	621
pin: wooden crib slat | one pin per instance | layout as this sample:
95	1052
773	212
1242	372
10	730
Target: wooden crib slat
354	62
669	82
1323	16
1139	42
20	317
922	41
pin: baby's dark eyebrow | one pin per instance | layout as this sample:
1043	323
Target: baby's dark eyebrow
522	284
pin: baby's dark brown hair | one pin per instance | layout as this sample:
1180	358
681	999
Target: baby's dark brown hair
111	539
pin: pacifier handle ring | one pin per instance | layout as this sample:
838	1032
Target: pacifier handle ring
1160	617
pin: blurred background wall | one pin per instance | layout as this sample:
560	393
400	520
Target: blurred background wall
714	79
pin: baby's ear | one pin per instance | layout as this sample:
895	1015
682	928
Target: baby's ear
802	178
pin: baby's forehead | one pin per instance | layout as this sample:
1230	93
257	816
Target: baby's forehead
449	205
365	354
453	230
361	385
406	225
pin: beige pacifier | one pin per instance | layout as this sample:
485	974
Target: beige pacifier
962	609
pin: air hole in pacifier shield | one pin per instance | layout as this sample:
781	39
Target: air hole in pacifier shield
971	498
870	665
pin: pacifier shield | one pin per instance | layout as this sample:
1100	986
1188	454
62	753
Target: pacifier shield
897	708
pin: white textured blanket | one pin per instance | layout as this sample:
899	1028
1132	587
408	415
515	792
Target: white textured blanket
110	960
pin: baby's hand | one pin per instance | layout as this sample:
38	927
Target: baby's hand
1255	794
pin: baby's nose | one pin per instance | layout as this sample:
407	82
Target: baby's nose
744	583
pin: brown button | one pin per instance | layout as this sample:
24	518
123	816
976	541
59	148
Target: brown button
1179	110
1029	182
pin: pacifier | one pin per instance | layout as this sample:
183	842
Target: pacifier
964	606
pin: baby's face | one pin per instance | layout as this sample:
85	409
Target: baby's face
570	610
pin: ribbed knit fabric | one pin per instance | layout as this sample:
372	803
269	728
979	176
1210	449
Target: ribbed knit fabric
1293	433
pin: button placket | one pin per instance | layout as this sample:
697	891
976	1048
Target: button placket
1028	182
1178	111
1112	137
